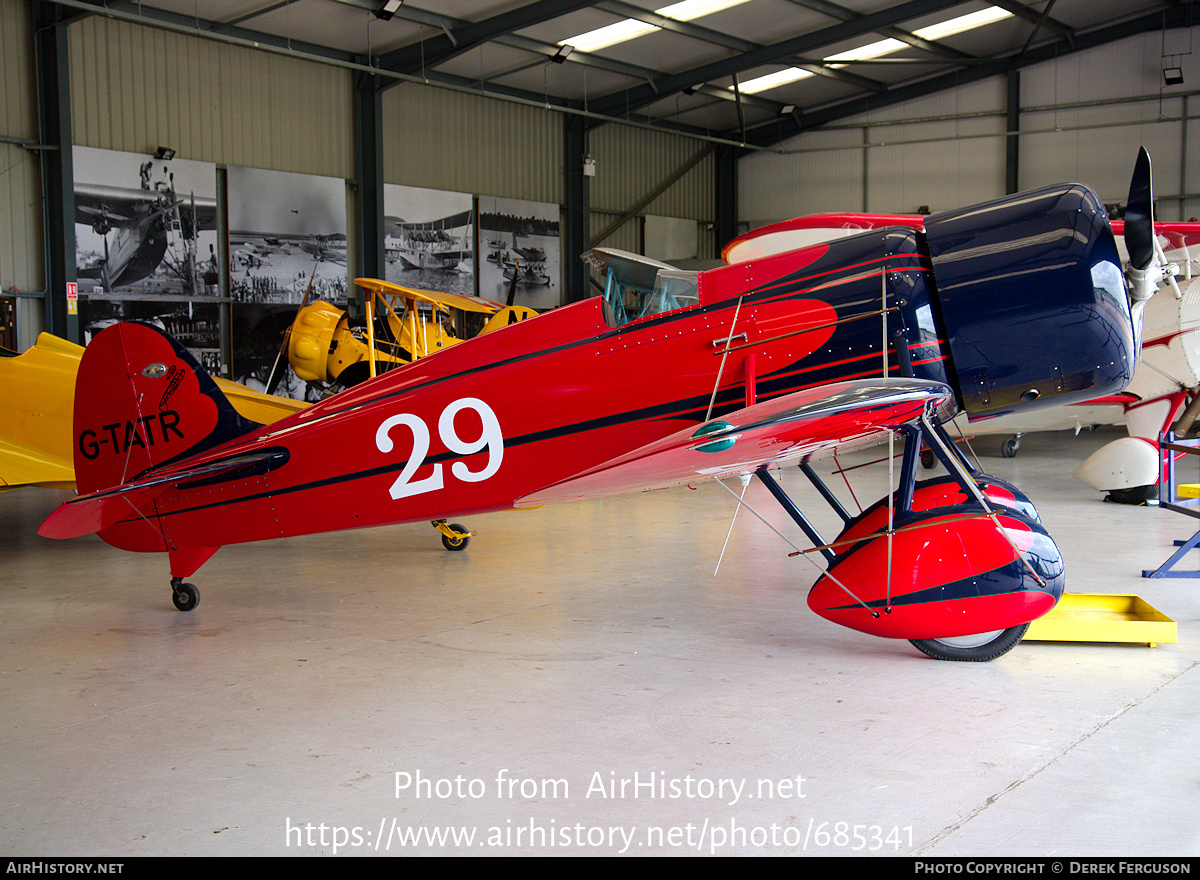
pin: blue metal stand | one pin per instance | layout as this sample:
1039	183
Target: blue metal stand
1167	569
1167	447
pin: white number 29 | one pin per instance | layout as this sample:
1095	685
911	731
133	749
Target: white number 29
490	438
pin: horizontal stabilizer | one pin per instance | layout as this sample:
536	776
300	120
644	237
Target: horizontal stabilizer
94	512
803	425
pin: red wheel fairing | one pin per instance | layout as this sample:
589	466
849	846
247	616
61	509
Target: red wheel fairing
953	572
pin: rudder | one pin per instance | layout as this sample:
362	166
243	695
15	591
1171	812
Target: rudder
142	400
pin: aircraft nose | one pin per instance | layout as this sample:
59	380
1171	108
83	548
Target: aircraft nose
1033	298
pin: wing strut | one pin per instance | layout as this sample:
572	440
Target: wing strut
902	501
796	514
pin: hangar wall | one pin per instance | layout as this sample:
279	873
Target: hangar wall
1079	121
136	87
631	163
21	229
131	86
467	143
460	142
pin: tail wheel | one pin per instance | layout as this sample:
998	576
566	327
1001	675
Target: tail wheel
977	648
185	596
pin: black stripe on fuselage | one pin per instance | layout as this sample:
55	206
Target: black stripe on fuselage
692	408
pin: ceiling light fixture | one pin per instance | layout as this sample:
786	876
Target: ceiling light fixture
389	8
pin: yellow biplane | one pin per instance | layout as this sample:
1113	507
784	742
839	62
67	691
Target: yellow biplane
329	347
38	405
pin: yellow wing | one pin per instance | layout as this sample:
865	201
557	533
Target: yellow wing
434	297
38	406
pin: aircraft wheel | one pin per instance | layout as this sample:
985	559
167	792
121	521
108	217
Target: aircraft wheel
185	596
977	648
459	542
1137	495
928	461
1010	447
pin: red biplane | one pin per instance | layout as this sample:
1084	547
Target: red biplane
668	377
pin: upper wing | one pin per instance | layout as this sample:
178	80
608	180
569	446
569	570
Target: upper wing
122	204
803	425
790	235
436	297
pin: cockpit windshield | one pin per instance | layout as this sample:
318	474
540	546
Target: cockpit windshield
636	286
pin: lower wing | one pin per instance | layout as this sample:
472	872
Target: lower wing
799	426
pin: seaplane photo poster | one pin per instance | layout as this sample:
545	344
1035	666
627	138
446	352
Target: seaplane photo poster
145	235
520	242
429	237
287	240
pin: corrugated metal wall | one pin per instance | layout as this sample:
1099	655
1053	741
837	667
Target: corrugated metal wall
632	162
21	261
136	88
456	141
952	151
466	143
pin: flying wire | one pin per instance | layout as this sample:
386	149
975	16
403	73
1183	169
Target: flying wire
799	552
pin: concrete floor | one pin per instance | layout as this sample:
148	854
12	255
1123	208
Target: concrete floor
332	694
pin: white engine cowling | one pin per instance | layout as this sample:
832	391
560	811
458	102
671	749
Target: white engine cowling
1122	464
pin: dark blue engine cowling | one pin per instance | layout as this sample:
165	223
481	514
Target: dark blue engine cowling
1033	300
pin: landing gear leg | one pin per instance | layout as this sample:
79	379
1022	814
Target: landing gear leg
184	595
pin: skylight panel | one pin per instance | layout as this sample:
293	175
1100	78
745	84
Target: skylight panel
772	80
629	29
871	50
602	38
963	23
880	48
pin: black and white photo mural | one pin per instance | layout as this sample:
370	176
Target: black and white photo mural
521	260
287	246
145	238
429	238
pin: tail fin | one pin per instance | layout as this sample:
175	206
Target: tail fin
142	400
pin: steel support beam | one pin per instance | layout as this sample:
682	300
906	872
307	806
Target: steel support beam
1012	147
51	52
368	148
576	232
726	195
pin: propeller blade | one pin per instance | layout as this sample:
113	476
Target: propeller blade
1139	214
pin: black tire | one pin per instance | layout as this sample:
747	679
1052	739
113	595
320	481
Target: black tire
1136	495
1010	447
185	596
973	649
459	543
